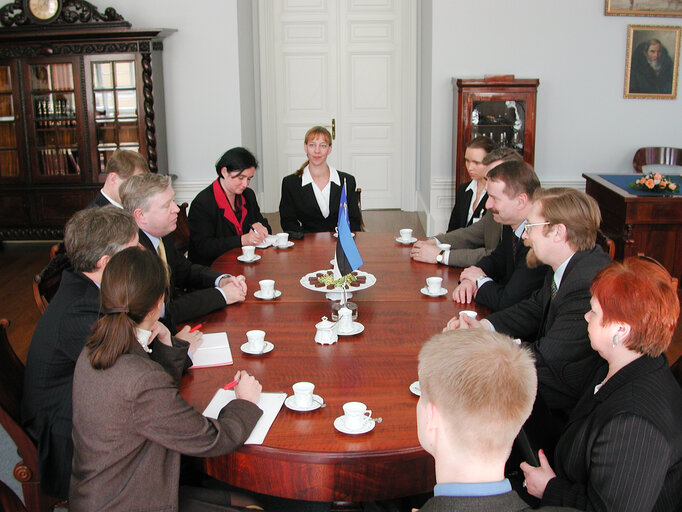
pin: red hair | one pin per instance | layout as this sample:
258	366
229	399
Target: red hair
640	293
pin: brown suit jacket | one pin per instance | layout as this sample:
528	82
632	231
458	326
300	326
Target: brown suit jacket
130	426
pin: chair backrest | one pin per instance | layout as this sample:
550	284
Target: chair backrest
362	221
46	284
10	501
181	233
657	155
607	244
676	368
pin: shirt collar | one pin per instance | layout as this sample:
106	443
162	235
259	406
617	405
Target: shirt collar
143	338
111	200
559	272
306	178
472	489
154	240
472	186
519	231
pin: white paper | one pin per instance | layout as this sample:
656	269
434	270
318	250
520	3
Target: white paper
214	351
270	403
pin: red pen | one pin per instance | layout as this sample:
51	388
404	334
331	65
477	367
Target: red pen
198	326
230	385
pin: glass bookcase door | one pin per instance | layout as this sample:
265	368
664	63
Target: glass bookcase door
116	101
10	131
502	121
52	96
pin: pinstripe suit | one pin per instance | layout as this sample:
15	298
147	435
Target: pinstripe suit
622	448
508	502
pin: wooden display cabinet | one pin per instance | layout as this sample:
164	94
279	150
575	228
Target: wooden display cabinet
72	91
500	107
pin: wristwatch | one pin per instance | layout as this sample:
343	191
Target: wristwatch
439	258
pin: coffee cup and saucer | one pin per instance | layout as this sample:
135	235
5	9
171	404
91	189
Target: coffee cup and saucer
406	237
303	399
433	287
282	241
415	388
267	290
357	419
248	254
256	344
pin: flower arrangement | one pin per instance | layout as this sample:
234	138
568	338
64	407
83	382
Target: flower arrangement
655	182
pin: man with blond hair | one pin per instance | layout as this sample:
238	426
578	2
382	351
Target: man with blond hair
195	290
121	165
477	390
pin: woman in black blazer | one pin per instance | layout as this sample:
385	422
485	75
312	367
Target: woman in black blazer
622	448
471	196
311	196
225	215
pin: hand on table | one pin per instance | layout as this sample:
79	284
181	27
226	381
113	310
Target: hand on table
463	322
465	292
256	236
424	251
234	288
537	478
248	388
194	338
471	273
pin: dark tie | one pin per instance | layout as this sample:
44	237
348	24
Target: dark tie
553	288
515	245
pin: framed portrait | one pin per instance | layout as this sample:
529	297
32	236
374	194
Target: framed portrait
668	8
652	61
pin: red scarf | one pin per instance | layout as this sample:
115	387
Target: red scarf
228	212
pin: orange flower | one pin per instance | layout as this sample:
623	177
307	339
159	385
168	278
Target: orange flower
658	176
650	183
672	186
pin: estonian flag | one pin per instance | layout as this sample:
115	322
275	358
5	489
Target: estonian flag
347	255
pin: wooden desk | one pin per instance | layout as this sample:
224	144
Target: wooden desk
640	224
303	456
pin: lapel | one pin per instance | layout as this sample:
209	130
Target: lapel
464	213
146	242
479	211
335	195
308	197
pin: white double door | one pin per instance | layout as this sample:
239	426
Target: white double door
347	62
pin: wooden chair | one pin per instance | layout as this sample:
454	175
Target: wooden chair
181	233
648	156
607	244
46	284
9	501
676	368
11	389
362	221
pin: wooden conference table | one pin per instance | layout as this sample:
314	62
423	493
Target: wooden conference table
303	456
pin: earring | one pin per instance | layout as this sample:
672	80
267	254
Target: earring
615	341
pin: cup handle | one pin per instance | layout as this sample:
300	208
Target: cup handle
368	413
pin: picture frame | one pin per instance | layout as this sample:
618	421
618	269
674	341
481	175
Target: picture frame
664	8
652	62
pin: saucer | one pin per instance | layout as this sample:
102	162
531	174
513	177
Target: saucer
357	329
255	258
414	387
290	402
268	348
340	425
258	295
286	246
336	235
442	292
406	242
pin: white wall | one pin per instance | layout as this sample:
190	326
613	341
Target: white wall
583	121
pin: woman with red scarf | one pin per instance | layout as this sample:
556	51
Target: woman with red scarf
225	215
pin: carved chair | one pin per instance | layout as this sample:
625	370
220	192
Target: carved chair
181	233
11	389
362	221
46	283
607	244
657	155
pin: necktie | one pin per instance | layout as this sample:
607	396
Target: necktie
162	252
553	288
515	245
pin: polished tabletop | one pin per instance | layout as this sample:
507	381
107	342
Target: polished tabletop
303	456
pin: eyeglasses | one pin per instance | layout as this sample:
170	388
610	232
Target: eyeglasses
527	227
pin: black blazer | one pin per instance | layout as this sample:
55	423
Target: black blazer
460	211
622	447
513	280
211	234
299	211
556	331
193	291
98	201
508	502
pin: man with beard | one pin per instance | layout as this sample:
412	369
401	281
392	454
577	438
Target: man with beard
652	69
502	278
561	231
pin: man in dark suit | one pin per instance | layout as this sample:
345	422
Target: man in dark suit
121	165
503	278
91	237
477	389
195	290
561	231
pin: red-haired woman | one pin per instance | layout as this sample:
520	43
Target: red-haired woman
622	448
310	197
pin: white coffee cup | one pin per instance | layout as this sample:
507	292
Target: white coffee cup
406	234
282	239
444	247
267	288
469	313
249	251
356	415
256	340
433	284
303	393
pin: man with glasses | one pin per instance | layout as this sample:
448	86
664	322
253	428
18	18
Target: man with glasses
561	232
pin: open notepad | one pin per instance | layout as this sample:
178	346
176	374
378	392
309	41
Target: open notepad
214	351
270	403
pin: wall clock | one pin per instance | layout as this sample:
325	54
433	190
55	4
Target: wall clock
43	11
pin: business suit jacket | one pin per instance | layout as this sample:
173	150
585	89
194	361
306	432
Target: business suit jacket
193	291
211	234
508	502
622	447
460	212
98	201
513	281
556	331
130	427
299	211
472	243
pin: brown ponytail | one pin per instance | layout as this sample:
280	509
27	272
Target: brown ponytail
311	134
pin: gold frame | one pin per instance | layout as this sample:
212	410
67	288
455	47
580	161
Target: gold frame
611	11
654	31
